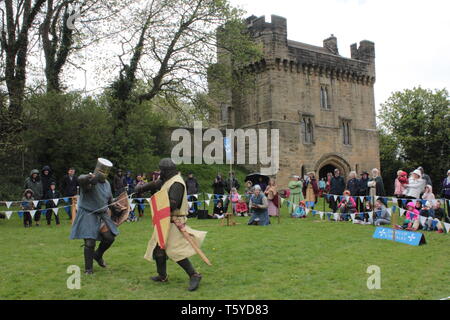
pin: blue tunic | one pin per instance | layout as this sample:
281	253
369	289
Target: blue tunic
262	213
87	224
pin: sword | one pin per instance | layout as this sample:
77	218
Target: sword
196	248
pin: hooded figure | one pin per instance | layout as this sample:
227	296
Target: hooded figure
34	183
177	247
46	179
415	185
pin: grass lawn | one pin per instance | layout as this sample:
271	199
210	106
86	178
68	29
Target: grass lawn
297	259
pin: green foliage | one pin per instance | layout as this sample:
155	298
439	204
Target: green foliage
416	126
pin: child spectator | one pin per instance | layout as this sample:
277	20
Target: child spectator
412	214
347	206
51	194
219	211
300	211
363	217
400	188
382	216
234	195
242	208
428	194
27	204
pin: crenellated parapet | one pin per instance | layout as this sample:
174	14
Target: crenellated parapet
292	56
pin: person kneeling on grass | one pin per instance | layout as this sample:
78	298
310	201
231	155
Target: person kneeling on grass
347	206
382	216
258	206
300	211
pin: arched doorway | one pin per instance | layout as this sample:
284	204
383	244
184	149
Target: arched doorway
323	172
330	162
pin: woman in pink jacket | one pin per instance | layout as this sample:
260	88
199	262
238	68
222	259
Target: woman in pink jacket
399	184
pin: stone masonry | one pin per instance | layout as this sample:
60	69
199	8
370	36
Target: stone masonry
322	103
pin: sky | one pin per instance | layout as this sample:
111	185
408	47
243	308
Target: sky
412	37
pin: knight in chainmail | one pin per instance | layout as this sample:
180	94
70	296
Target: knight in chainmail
92	215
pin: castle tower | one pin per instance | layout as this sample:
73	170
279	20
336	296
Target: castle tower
322	103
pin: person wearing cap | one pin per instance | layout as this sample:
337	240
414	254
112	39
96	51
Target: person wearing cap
51	194
92	215
177	248
296	193
258	208
363	190
415	186
446	186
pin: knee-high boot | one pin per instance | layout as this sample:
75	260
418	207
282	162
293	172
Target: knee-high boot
89	247
161	264
107	241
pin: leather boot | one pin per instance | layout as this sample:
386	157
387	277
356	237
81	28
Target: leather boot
194	281
161	262
89	246
107	241
194	277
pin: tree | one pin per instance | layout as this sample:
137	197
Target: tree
17	22
60	39
417	123
172	44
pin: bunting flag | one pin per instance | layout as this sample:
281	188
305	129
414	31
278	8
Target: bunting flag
67	208
321	215
389	211
394	200
336	216
20	213
447	226
35	203
209	196
8	214
335	197
149	201
32	212
353	216
44	212
142	206
55	210
132	206
224	198
361	198
402	212
55	201
207	202
404	201
8	204
190	204
313	212
347	198
394	208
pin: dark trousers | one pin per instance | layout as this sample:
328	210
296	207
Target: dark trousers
48	216
193	199
27	220
160	256
333	204
37	215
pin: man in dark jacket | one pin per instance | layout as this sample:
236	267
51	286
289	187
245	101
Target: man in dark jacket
337	187
119	183
363	189
69	186
218	185
353	184
192	188
33	182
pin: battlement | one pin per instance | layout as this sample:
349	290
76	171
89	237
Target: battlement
279	49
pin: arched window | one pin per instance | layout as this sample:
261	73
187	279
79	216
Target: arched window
346	132
324	97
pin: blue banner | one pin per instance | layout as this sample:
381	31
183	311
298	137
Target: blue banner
408	237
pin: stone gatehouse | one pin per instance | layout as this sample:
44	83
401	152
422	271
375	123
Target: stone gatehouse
322	103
